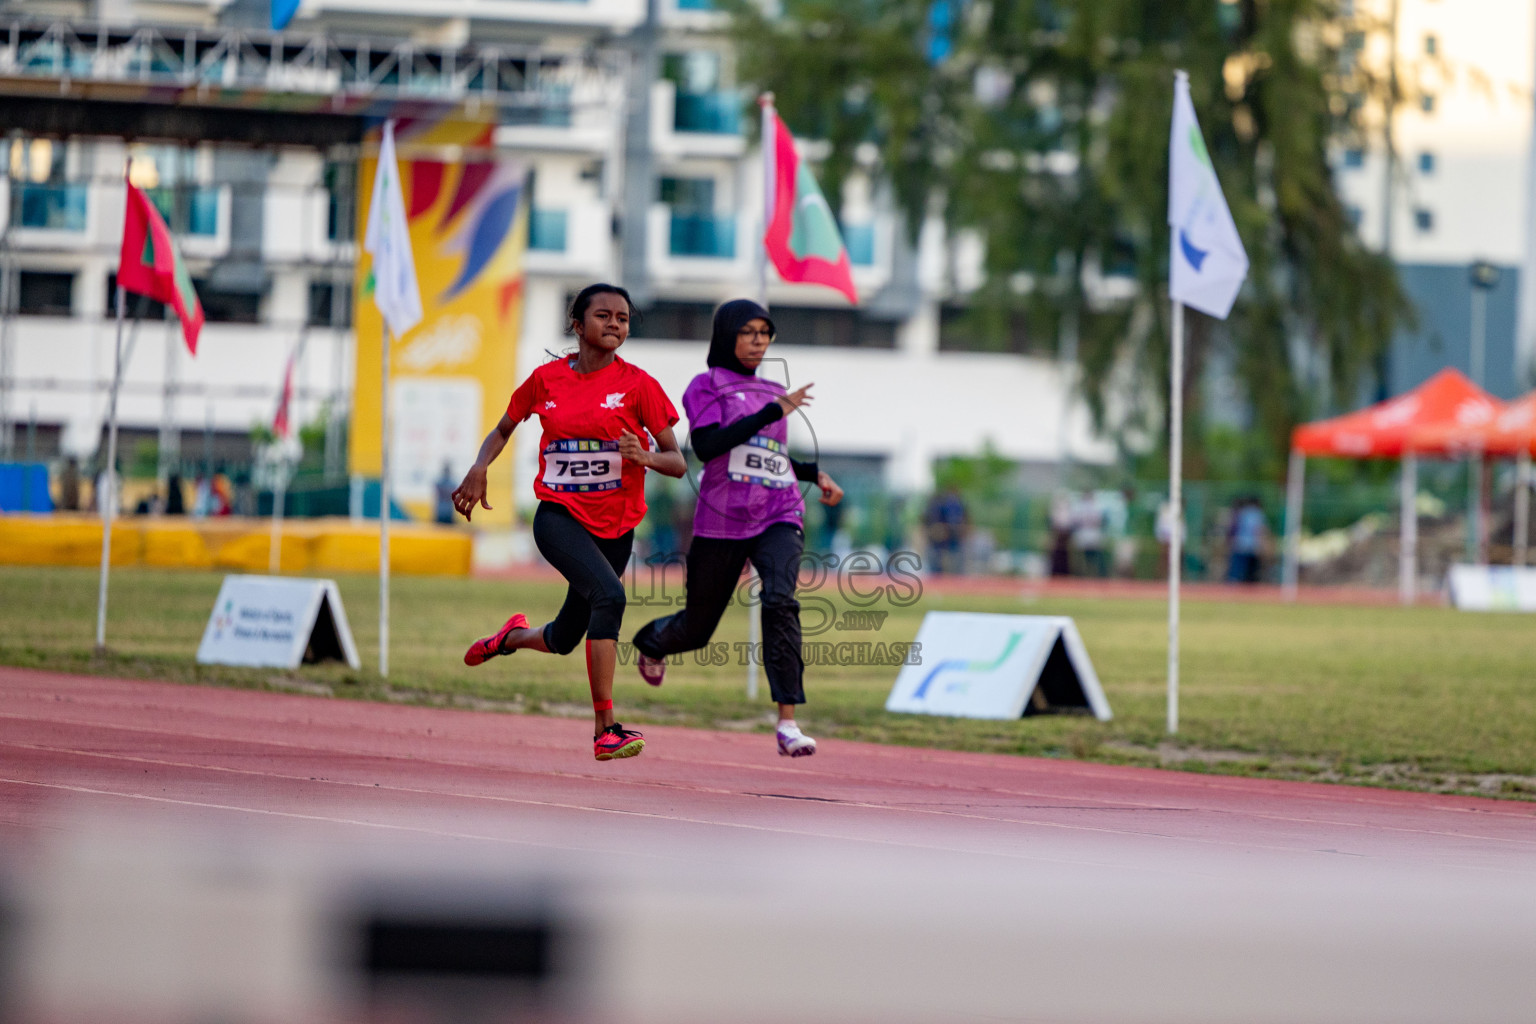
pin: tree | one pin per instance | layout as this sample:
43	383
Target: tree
1043	126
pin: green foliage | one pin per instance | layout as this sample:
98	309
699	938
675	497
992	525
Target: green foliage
1047	131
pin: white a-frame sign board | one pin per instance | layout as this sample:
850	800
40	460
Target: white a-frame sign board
277	622
998	666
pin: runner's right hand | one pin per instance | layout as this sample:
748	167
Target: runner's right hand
471	492
795	399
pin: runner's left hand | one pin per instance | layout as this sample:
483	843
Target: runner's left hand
632	450
831	494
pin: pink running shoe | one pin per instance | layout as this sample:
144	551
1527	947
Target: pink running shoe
617	741
653	670
488	647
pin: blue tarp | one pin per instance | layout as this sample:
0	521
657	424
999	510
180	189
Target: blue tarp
24	487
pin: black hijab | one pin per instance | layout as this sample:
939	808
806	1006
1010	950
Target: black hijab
730	318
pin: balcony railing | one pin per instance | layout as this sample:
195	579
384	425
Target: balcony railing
52	207
710	237
546	230
695	5
860	240
717	113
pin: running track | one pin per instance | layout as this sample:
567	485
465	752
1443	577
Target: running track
878	882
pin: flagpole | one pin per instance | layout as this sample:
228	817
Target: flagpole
1176	503
768	138
108	501
384	502
279	491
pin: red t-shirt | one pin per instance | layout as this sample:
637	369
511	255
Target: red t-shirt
583	415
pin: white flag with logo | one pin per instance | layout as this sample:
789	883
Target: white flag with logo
389	243
1208	260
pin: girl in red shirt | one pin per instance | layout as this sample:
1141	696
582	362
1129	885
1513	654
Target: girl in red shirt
594	407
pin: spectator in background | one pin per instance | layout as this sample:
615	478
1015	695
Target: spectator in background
1247	538
69	485
1062	521
1163	529
108	483
444	489
946	520
202	497
223	495
831	522
175	501
1088	534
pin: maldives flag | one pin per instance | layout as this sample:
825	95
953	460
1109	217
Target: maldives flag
802	237
280	424
150	265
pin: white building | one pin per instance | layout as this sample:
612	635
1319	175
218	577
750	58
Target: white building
267	233
1461	184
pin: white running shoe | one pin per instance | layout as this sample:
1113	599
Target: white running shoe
794	743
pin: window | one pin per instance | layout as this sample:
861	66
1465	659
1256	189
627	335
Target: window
341	212
44	293
229	307
1424	219
1354	215
1431	44
844	328
321	296
1427	103
674	321
140	307
1426	162
1354	157
693	196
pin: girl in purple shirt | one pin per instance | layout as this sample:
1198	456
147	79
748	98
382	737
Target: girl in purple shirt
749	507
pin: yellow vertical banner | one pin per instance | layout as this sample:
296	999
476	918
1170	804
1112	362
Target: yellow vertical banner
451	375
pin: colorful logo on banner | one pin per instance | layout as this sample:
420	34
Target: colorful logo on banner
452	374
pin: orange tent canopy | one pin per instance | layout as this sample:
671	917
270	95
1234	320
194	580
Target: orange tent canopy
1508	433
1398	425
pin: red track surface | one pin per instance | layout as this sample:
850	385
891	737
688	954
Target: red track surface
277	755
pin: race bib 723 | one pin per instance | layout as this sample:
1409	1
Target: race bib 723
580	465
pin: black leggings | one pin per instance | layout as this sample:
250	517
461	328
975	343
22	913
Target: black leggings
714	568
594	604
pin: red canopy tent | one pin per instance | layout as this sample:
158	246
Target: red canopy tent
1397	428
1511	433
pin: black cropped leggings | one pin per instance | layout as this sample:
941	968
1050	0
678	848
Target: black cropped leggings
594	567
714	571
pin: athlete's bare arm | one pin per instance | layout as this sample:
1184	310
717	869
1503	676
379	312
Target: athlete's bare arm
472	491
667	459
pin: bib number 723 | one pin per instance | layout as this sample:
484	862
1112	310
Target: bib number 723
583	466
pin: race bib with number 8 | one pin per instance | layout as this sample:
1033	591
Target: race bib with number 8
763	461
583	466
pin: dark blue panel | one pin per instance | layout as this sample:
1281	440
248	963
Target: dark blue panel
1442	294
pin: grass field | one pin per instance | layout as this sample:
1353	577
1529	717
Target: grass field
1421	698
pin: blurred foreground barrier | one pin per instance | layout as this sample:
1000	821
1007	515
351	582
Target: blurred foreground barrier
235	543
185	926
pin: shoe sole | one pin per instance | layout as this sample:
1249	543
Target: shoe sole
628	750
802	752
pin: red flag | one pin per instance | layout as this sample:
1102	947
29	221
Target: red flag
280	424
802	237
150	265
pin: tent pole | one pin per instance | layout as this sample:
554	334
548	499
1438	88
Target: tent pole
1295	480
1522	502
1176	507
1408	543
